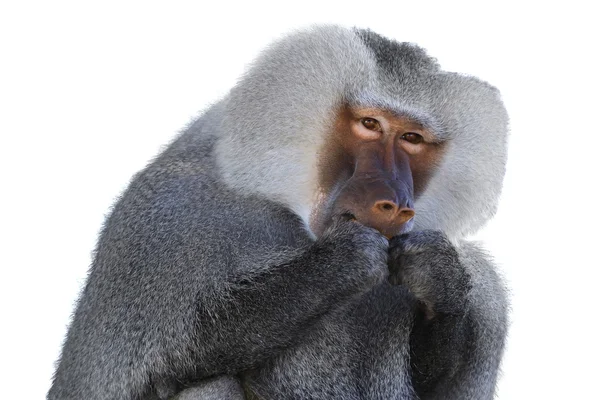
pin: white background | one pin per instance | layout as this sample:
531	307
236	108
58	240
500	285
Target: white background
90	92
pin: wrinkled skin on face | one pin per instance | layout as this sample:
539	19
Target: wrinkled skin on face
373	167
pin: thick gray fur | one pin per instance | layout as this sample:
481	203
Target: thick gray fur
207	277
220	388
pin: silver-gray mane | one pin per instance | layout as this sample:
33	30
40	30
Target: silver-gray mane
299	82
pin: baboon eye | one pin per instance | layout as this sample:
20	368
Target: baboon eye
371	124
412	137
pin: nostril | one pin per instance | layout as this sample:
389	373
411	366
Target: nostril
386	207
